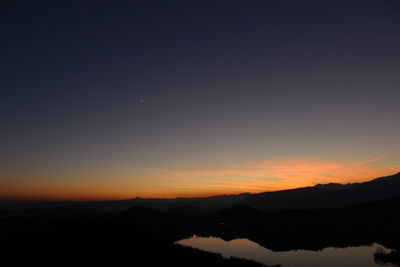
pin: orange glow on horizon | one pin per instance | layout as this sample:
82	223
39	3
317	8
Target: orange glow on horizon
199	180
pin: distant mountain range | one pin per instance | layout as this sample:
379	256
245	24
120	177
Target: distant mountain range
319	196
327	195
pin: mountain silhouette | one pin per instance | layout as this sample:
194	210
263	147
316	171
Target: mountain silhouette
330	195
327	195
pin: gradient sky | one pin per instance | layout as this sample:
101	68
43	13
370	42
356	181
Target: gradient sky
118	99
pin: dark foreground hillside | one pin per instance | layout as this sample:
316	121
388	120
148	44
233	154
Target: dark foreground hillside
143	237
96	241
313	229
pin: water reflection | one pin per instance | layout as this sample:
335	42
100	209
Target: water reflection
244	248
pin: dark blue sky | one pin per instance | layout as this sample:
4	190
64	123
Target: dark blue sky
221	82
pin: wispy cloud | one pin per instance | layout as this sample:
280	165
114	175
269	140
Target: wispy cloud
265	175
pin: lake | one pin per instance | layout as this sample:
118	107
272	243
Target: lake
244	248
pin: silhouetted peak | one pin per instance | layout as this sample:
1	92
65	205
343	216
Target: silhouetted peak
329	186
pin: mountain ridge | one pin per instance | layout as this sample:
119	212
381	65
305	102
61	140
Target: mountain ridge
327	195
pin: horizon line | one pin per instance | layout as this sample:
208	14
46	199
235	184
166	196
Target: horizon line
50	200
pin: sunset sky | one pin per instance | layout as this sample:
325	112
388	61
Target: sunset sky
118	99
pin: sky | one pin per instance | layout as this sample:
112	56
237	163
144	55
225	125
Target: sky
118	99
